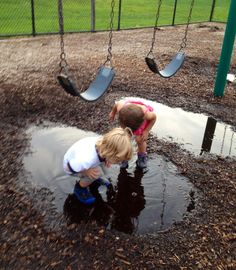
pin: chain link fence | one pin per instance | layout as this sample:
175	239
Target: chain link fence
35	17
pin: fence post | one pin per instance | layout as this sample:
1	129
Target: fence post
174	13
119	15
212	10
93	14
226	51
33	18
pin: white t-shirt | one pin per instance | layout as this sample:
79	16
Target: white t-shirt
82	155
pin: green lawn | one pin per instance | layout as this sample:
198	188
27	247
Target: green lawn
15	15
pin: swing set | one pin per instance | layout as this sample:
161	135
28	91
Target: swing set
106	74
178	60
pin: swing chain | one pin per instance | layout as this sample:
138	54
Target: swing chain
109	55
184	40
63	63
155	27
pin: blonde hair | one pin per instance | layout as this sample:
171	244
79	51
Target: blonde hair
116	145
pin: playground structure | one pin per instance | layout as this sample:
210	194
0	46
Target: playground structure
106	74
178	60
227	49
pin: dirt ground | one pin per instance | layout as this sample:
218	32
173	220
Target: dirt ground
29	93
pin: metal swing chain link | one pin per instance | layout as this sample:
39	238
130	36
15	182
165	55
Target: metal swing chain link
184	40
63	63
155	27
109	55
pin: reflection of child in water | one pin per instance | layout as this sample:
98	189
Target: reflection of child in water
76	211
127	201
124	204
138	116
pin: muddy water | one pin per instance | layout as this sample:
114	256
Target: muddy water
142	201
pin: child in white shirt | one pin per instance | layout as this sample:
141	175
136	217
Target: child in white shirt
86	157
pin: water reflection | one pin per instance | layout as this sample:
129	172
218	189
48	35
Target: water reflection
163	202
166	191
208	135
188	130
77	212
122	208
128	201
192	202
208	138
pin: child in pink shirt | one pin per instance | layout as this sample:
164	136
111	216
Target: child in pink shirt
140	118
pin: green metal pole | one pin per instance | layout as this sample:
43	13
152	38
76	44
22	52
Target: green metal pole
226	51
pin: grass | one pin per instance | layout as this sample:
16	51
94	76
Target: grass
15	15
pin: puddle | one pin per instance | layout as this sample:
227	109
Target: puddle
141	202
196	133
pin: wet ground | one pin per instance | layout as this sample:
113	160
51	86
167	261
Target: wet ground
37	236
144	201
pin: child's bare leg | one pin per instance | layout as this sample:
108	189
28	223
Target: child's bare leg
142	145
142	152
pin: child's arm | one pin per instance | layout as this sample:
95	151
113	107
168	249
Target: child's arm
113	112
151	118
92	173
115	109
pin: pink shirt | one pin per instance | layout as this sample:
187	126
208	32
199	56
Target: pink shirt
145	123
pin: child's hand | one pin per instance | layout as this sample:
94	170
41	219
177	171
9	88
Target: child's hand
92	173
107	164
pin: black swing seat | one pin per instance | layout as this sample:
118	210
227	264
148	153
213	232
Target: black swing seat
96	89
170	69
